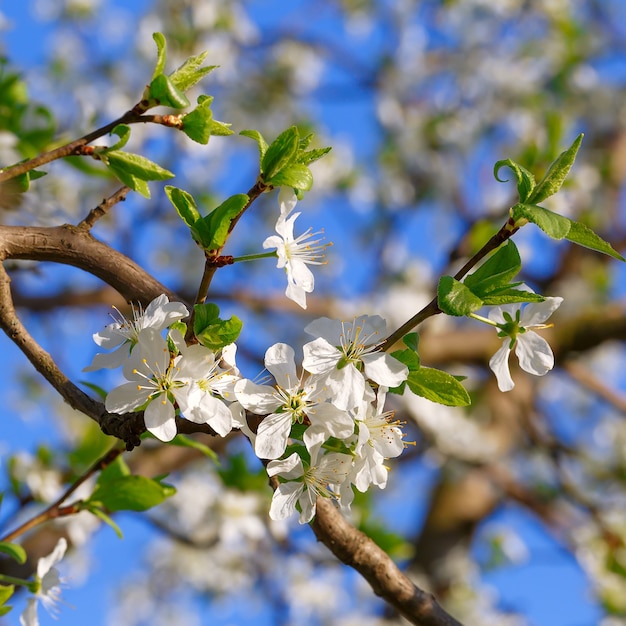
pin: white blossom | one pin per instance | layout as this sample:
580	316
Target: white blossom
293	399
295	253
304	484
516	326
348	353
48	585
122	335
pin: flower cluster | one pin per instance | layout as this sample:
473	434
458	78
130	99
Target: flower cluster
165	376
325	429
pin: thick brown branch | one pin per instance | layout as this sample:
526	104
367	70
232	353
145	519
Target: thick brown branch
74	246
357	550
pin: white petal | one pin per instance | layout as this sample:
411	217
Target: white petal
330	330
126	398
29	615
284	500
308	502
296	294
319	356
534	353
384	369
287	200
499	364
260	399
347	386
299	273
496	314
272	436
288	468
538	312
333	421
46	562
280	362
109	360
159	418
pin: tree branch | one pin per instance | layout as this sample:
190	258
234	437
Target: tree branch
357	550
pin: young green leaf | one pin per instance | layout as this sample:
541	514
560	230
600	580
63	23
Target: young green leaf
219	220
295	176
14	550
437	386
525	179
159	39
280	153
184	203
553	224
411	341
510	296
130	493
454	298
6	591
306	158
123	132
197	124
137	166
211	331
187	442
107	519
220	129
584	236
496	271
163	92
190	72
260	140
553	180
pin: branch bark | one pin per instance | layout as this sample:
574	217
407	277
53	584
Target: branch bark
357	550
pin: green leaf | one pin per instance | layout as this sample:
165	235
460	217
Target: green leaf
306	158
584	236
496	271
136	166
190	72
162	91
511	296
295	176
197	123
553	180
220	129
256	135
22	181
454	298
210	330
6	591
551	223
409	357
184	204
14	550
525	180
220	219
159	39
130	493
280	153
411	340
437	386
123	132
187	442
107	519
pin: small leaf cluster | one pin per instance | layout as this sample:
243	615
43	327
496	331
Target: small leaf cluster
489	285
531	194
210	231
285	162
